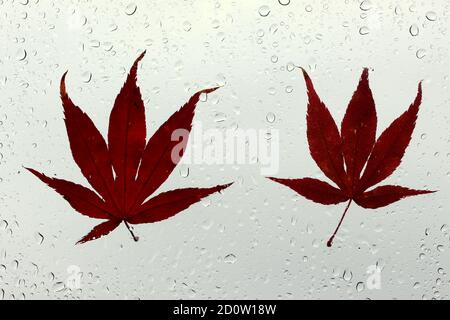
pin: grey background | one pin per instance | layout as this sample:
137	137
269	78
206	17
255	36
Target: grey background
257	239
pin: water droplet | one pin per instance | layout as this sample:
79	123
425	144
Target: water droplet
184	171
58	287
270	117
76	21
364	31
21	54
414	30
366	5
113	27
290	67
131	9
94	43
207	224
86	76
421	53
15	264
431	16
108	46
215	24
308	8
39	237
347	276
230	258
284	2
3	224
274	59
360	287
187	26
264	11
220	117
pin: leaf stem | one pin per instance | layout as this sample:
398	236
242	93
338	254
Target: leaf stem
135	238
330	241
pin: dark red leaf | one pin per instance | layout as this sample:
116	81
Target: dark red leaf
167	204
139	168
385	195
359	149
324	139
390	146
359	129
127	135
100	230
315	190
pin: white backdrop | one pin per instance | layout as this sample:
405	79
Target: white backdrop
258	239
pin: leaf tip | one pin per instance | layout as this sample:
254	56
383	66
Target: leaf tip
29	169
196	97
141	56
36	173
418	100
309	85
428	191
62	86
206	91
365	74
83	241
305	74
278	180
225	186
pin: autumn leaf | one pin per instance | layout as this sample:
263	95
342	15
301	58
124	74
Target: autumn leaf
127	170
343	155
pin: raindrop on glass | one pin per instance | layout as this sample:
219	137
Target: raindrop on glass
270	117
360	287
284	2
21	54
187	26
230	258
421	53
86	76
264	11
364	31
431	16
347	276
131	9
414	30
366	5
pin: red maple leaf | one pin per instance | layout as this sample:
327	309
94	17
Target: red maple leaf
128	170
343	155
